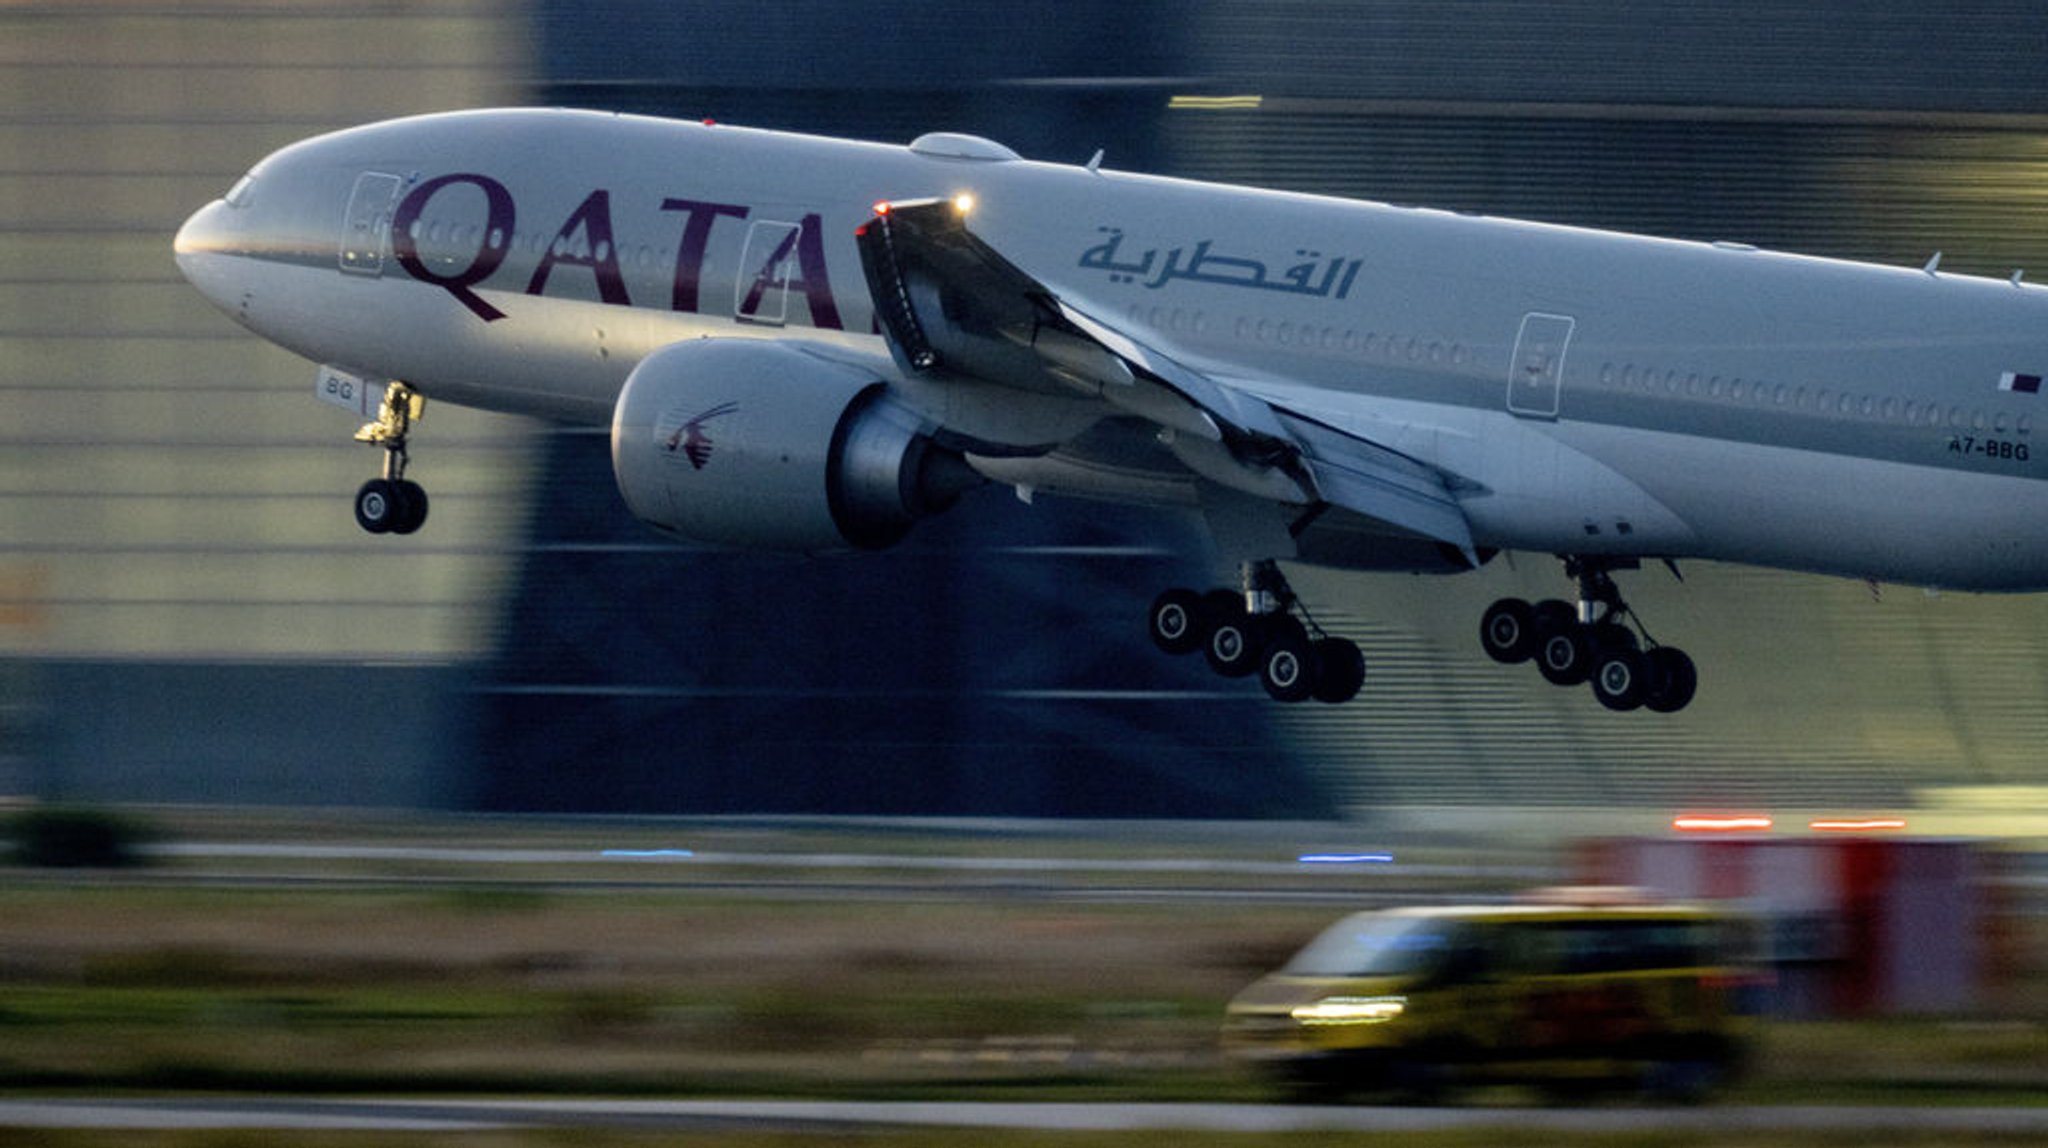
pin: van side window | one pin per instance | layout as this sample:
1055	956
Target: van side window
1627	946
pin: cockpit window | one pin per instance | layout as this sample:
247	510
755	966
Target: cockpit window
238	195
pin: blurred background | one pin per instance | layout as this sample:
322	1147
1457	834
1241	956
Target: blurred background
188	612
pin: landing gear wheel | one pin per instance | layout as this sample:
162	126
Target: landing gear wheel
379	506
1565	654
1671	679
412	500
1177	621
1508	631
1234	643
1340	670
1287	665
1260	629
1621	678
1595	640
1546	618
391	504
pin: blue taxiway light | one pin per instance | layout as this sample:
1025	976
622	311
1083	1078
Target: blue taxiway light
1346	858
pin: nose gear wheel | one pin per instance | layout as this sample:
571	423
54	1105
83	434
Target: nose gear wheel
392	503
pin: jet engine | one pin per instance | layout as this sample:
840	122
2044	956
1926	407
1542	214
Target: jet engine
758	444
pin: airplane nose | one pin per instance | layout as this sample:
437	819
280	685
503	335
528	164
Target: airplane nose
202	248
204	233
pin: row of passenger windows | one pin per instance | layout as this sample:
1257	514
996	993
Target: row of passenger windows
1758	393
1367	344
463	240
1762	393
1285	333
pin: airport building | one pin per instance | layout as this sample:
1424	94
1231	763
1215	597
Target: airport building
189	613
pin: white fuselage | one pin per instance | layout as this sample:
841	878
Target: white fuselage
1592	393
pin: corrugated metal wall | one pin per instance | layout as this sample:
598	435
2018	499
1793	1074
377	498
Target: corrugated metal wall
167	486
1973	55
174	506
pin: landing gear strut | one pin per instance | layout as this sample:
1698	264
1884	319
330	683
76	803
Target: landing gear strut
1256	630
1592	643
392	504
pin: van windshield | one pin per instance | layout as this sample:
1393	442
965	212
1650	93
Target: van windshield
1371	945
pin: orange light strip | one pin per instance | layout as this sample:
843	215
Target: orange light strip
1738	824
1863	825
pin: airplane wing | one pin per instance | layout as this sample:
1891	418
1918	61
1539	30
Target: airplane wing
948	301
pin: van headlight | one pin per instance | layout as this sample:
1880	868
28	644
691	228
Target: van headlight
1351	1010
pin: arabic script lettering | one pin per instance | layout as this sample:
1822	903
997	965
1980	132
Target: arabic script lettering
1314	275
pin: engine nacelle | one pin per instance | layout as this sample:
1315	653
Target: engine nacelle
750	443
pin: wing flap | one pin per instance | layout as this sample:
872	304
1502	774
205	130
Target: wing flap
1382	484
947	301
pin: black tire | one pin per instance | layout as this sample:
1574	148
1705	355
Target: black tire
1671	678
378	506
1564	655
1340	670
1507	631
412	515
1686	1081
1422	1080
1621	679
1234	644
1177	621
1552	612
1287	662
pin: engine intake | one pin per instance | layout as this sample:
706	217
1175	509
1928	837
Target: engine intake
749	443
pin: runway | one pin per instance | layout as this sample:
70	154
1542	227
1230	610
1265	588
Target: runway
840	1117
1354	879
814	866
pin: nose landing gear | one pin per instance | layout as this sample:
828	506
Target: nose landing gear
1591	643
1257	631
392	503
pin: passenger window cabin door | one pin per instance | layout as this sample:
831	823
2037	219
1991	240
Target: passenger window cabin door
367	223
1538	370
767	264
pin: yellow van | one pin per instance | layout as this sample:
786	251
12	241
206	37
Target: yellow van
1577	990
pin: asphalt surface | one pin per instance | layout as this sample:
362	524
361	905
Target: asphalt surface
289	1114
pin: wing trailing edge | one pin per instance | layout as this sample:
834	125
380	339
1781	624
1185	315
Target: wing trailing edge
949	302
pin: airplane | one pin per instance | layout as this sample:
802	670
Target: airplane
810	344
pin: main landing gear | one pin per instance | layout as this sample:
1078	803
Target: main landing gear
1591	643
392	504
1256	631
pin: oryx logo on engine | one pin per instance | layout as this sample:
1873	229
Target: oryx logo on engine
690	440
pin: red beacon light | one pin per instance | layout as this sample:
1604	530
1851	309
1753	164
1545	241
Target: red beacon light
1734	823
1857	824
